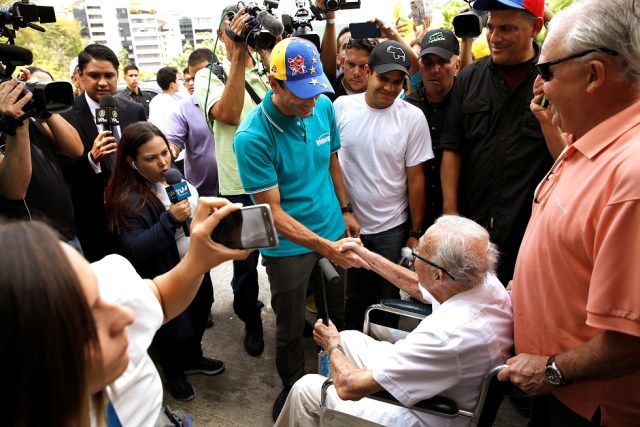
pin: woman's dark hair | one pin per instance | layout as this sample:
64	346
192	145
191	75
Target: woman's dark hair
126	183
47	331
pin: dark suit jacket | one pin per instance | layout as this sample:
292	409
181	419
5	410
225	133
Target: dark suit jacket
87	187
149	242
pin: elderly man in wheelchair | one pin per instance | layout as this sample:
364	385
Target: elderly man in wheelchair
448	354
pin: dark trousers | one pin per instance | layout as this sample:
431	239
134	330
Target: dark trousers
364	287
245	277
548	411
179	340
289	278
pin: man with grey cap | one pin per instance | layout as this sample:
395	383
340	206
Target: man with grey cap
439	65
385	142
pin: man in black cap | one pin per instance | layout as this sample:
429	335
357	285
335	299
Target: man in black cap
385	143
439	65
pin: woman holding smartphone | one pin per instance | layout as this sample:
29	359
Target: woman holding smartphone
151	236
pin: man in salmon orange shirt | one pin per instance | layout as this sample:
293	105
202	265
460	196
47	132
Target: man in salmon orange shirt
576	293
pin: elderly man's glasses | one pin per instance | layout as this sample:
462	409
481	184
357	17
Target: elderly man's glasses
545	68
432	264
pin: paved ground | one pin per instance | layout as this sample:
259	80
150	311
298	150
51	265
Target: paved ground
243	395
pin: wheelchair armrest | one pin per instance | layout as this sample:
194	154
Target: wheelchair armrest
437	405
410	306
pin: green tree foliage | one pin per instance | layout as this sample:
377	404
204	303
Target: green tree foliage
54	49
123	59
180	60
450	10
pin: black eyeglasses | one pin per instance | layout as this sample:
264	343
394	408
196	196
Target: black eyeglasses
544	69
432	264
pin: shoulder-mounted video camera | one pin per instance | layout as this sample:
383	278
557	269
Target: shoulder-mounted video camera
469	24
259	33
48	97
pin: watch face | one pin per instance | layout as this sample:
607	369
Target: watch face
553	375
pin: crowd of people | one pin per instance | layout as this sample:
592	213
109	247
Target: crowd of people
510	178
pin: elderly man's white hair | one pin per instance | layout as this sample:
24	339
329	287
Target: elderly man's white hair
611	24
462	247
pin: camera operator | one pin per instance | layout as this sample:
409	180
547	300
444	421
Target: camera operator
225	103
31	180
15	157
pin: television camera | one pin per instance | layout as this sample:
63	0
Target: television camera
299	24
261	32
48	97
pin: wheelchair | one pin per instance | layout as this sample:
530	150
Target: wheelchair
491	395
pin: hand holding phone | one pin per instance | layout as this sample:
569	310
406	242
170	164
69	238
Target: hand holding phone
544	102
250	227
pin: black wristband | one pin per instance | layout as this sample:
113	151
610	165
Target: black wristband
347	208
415	234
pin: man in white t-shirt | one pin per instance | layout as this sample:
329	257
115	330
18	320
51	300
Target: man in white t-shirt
385	143
163	105
469	332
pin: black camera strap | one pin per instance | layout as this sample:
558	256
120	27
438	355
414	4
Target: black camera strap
222	76
252	93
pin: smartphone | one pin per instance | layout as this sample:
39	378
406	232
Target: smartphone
365	30
544	102
417	11
250	227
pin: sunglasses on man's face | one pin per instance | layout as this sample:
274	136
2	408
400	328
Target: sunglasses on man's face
544	69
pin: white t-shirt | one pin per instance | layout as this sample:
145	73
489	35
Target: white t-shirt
160	109
137	394
448	354
377	147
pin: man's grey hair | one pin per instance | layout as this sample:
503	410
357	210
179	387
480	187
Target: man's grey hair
463	248
612	24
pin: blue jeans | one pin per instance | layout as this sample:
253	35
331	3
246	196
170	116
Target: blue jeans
245	277
364	287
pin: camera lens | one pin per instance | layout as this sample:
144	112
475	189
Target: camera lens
332	5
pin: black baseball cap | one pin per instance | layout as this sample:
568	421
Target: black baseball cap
390	56
440	42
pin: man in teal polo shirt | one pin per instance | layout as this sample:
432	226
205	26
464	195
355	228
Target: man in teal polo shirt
286	151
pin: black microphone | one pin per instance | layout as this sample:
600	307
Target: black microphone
178	190
107	114
15	55
270	23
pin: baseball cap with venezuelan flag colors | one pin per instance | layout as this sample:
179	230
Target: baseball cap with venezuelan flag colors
535	7
296	62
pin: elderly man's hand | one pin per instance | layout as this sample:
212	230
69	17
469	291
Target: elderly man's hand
345	258
326	336
526	371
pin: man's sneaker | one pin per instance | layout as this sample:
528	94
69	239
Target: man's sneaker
279	403
205	366
180	388
254	337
